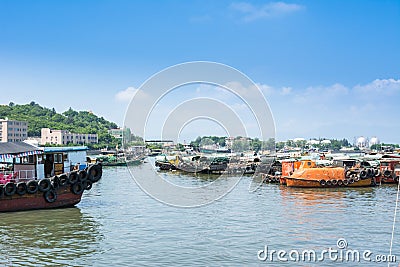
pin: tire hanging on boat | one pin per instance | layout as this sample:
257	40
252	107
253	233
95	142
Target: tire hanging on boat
9	189
328	182
387	173
82	175
377	172
322	182
356	178
21	188
334	182
32	187
55	182
396	179
94	173
73	177
44	185
63	179
347	174
50	196
340	182
345	182
351	181
363	174
77	188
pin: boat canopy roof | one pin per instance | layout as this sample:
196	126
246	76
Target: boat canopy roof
64	149
14	148
10	150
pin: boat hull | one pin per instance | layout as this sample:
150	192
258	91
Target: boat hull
56	192
65	198
301	182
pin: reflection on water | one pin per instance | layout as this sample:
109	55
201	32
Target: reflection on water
48	237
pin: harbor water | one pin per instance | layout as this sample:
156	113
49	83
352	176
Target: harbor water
117	224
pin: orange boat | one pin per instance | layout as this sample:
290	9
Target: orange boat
289	166
389	171
324	177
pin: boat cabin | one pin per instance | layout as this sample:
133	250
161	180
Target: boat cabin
390	168
20	161
58	160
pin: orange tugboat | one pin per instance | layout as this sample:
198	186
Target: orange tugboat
289	166
325	177
34	179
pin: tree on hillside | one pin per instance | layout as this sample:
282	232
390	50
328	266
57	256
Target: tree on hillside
77	122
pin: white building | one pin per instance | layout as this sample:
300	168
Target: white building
13	131
120	134
64	137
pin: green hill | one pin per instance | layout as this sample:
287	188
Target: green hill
74	121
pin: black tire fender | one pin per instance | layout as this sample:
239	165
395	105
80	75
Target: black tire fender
63	179
82	175
73	177
9	189
50	196
44	185
21	188
32	187
387	173
95	172
77	188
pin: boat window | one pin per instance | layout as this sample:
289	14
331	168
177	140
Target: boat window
384	163
309	163
27	160
58	158
65	157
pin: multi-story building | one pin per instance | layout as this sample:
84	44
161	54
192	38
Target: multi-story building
13	131
120	134
64	137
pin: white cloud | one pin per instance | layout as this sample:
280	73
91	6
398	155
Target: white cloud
384	86
126	95
273	9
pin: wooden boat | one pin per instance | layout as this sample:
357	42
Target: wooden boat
325	177
36	179
389	171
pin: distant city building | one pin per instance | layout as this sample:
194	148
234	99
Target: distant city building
120	133
64	137
13	131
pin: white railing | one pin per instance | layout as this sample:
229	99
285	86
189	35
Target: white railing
24	175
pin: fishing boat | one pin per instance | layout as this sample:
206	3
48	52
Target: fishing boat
326	177
40	178
389	171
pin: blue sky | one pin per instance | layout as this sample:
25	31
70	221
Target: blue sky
327	68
